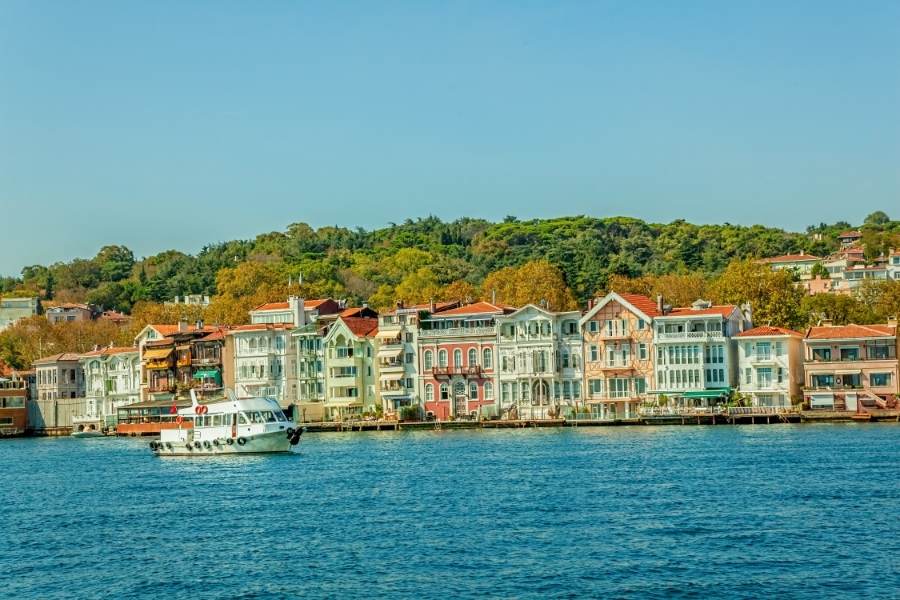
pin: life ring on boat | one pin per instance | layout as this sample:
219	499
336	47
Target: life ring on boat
168	445
207	445
229	441
153	446
188	446
201	410
216	442
179	419
241	441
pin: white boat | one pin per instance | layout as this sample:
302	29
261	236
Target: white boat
229	426
87	431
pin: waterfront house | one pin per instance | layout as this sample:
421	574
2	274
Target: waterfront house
617	333
349	347
14	399
264	361
397	356
290	312
695	352
60	392
167	367
851	367
112	380
539	363
770	366
457	347
13	309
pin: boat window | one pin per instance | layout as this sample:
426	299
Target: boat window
280	416
269	416
217	420
243	419
255	417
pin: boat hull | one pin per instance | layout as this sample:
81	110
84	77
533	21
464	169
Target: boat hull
265	443
88	434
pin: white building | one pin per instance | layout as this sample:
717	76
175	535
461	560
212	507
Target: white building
397	360
112	380
541	365
770	365
696	358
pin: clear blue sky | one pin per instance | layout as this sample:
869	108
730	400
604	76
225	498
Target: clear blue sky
170	124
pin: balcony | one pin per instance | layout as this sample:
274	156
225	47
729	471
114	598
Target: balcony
458	332
616	366
205	360
390	367
691	336
473	372
158	365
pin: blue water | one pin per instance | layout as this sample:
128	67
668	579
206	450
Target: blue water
805	511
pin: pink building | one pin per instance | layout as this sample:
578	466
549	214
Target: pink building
458	357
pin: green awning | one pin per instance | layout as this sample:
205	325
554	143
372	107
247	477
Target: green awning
716	393
207	374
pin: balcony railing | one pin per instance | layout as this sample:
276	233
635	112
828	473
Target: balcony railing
690	335
457	331
206	360
472	371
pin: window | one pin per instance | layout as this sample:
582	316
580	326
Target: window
763	350
504	392
880	379
849	353
473	357
565	359
595	353
457	358
642	324
473	391
428	358
595	386
442	358
429	392
409	358
487	358
459	388
747	375
445	391
821	354
642	350
488	390
592	326
764	378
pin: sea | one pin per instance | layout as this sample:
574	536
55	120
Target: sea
766	511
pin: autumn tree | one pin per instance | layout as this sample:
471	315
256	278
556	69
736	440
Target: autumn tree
676	289
773	296
534	282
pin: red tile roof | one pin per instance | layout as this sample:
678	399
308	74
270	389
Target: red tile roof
361	326
307	305
110	351
850	332
848	234
769	331
476	308
642	303
173	329
789	258
438	306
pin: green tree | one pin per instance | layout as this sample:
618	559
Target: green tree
773	296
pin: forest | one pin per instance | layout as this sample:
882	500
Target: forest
562	262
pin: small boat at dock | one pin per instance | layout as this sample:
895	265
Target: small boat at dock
229	426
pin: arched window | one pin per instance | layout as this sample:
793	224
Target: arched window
459	388
252	343
473	357
429	358
445	391
574	361
429	392
263	343
488	359
473	391
442	358
457	358
488	390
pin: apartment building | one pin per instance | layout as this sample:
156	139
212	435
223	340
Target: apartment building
770	366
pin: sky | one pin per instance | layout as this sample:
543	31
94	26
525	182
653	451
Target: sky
174	124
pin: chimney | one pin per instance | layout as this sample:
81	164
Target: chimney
399	304
590	304
298	314
827	323
892	321
182	325
199	324
659	303
802	253
494	296
431	305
